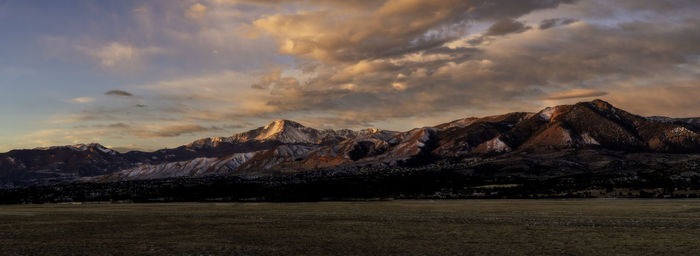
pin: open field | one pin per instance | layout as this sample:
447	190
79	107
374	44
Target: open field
450	227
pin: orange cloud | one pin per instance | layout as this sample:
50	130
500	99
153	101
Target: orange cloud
196	11
575	93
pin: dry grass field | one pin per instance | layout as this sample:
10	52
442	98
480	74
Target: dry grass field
449	227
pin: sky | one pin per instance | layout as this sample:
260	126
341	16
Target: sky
145	75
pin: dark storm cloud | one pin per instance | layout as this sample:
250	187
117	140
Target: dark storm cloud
119	93
500	9
118	125
506	27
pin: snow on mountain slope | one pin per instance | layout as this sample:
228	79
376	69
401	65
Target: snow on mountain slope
284	131
271	159
202	166
548	114
692	123
410	144
586	139
495	145
197	167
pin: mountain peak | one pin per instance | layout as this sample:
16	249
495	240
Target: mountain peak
278	127
549	113
285	131
282	130
282	123
602	105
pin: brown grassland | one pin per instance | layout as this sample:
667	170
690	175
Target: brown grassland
404	227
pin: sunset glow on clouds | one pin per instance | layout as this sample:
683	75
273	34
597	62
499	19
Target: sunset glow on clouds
153	74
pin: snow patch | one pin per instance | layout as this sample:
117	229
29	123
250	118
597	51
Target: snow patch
105	150
586	139
680	130
566	136
79	147
272	129
497	145
547	113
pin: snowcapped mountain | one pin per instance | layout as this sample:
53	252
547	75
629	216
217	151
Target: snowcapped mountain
282	131
285	146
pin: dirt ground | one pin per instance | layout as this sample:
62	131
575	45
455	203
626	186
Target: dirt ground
447	227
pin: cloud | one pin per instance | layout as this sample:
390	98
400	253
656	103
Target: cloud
59	136
146	136
274	79
555	22
506	27
381	80
677	100
575	93
388	28
118	125
170	130
140	9
196	11
380	58
82	100
119	93
167	129
116	54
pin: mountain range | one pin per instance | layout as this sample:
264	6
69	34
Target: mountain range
566	139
